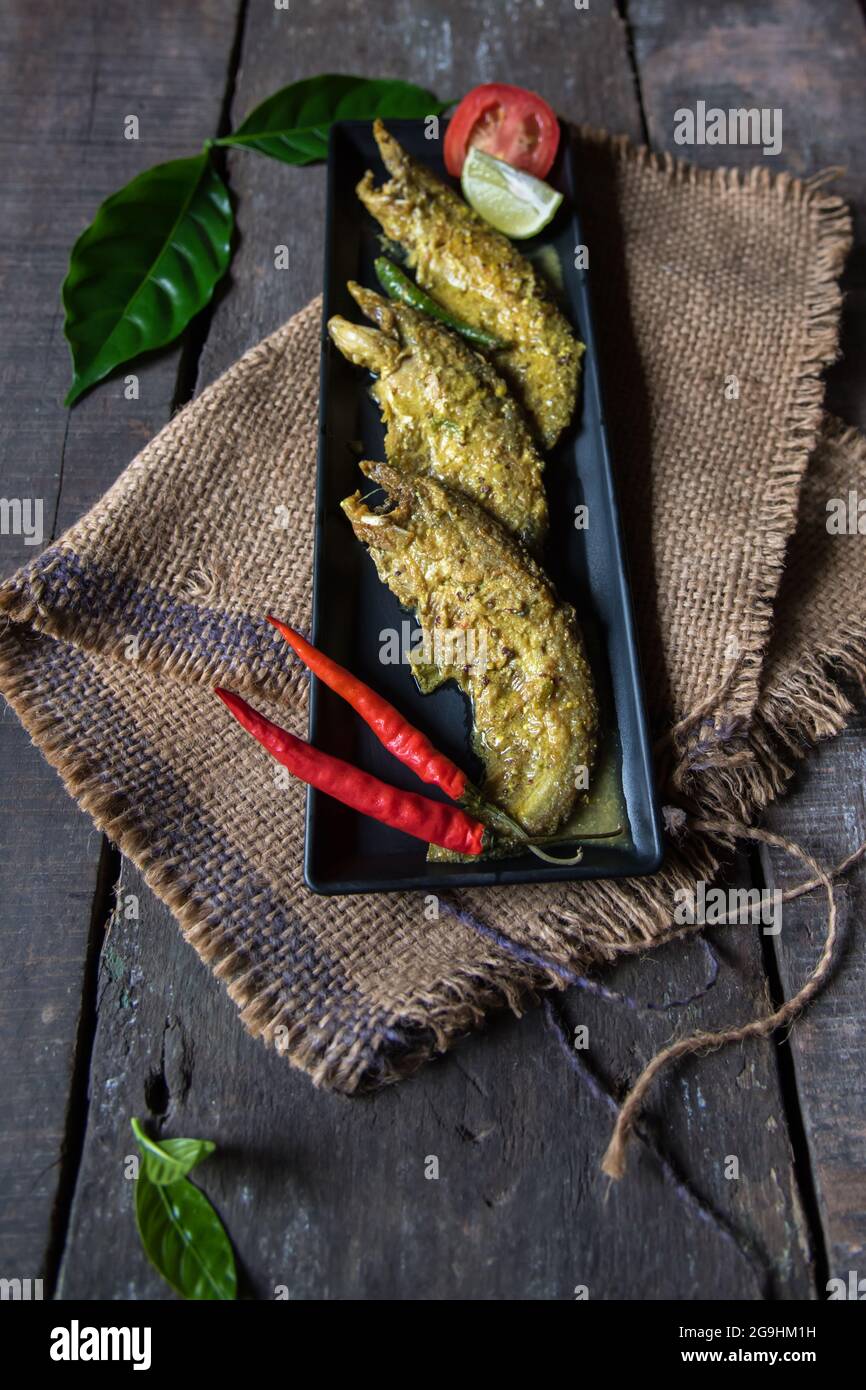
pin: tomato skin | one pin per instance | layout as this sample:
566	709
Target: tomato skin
509	122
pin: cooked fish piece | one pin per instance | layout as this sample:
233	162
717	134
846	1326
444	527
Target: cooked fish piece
447	412
480	276
492	622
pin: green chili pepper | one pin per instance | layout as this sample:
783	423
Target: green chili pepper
398	286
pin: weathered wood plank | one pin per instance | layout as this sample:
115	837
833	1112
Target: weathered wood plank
809	62
66	84
826	813
327	1196
804	59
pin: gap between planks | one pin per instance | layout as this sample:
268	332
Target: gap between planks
110	859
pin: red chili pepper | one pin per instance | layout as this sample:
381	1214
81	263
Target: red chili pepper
430	821
400	737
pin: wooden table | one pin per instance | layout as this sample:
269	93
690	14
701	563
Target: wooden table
103	1016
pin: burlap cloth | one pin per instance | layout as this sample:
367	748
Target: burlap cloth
717	303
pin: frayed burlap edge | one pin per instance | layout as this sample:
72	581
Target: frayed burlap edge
804	708
451	1008
23	604
785	726
736	699
798	707
461	1001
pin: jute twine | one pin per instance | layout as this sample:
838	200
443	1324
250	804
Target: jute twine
718	304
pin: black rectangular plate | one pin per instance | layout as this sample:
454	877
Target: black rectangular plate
349	853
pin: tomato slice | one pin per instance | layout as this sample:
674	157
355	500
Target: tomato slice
508	122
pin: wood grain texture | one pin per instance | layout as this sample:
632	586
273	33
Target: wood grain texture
66	83
826	812
809	61
327	1196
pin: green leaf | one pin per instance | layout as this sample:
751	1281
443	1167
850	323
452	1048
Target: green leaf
184	1239
168	1160
293	124
146	264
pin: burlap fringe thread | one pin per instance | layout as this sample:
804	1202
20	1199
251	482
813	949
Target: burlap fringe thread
778	504
742	775
793	715
749	766
613	1163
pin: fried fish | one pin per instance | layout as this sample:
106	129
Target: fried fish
477	274
447	412
492	622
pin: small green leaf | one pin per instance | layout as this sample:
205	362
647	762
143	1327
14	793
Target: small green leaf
293	124
184	1239
146	264
168	1160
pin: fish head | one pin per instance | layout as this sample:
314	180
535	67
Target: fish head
365	347
382	527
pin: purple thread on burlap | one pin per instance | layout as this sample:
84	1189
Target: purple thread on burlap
72	585
62	664
243	895
87	590
529	957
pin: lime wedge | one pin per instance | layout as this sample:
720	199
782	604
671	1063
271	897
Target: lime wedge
511	200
